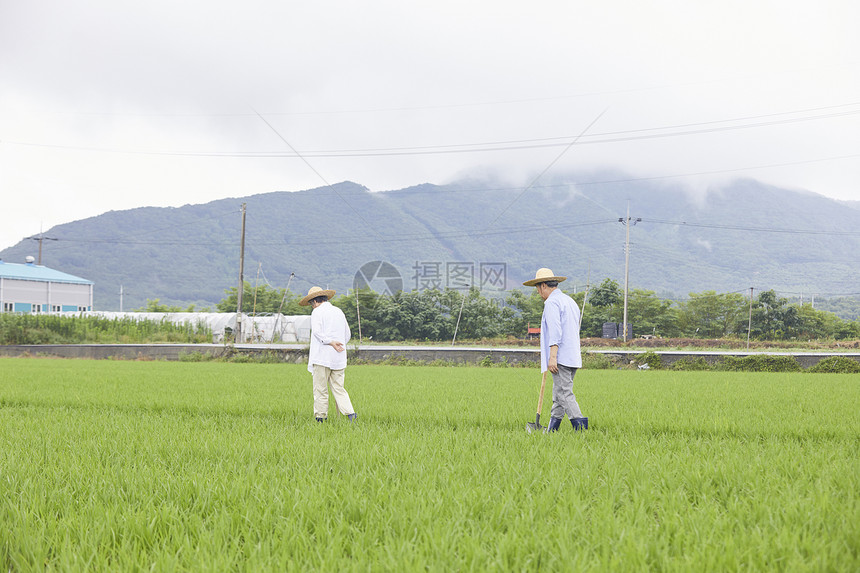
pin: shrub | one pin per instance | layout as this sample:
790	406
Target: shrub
697	363
195	356
836	365
596	361
759	363
487	362
651	358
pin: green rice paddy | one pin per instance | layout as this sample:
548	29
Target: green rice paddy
108	465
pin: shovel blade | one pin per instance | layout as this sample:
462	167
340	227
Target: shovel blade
532	427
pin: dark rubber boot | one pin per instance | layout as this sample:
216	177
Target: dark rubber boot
554	424
579	423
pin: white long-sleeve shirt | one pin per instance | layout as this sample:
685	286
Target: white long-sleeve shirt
328	324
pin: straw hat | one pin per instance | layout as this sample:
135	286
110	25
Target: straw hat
543	276
315	292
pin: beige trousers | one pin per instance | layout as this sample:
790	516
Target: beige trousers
324	378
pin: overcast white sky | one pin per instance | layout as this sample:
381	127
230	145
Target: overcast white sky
108	105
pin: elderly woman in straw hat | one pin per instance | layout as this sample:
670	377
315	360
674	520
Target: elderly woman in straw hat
327	358
560	352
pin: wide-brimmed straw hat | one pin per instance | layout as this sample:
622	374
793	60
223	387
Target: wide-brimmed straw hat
315	292
544	276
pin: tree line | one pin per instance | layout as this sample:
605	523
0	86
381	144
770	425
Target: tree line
435	315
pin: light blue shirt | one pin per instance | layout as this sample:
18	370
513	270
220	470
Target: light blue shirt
559	326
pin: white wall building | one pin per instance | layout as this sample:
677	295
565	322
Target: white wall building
33	288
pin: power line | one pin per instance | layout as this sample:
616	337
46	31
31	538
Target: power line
815	292
357	238
701	296
561	139
312	168
547	168
461	234
41	238
756	229
481	147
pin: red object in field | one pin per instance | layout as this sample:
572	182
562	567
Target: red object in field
533	332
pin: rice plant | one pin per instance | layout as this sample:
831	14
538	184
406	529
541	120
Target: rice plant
110	465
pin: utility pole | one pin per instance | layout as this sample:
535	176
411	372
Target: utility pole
627	223
749	326
585	296
241	280
41	238
457	326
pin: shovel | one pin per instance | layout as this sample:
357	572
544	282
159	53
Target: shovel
535	426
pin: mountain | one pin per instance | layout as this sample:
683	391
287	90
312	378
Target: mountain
740	235
851	204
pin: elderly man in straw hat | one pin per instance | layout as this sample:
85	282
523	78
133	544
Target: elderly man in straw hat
327	358
560	352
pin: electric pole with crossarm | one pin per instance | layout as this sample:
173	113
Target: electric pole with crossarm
41	238
627	222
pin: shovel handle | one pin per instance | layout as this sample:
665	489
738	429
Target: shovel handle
540	396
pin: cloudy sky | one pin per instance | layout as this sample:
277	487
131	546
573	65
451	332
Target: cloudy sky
108	105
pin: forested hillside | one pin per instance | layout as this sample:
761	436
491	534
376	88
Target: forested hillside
729	239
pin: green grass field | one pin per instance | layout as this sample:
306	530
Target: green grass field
108	465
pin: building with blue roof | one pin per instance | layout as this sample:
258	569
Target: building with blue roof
33	288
